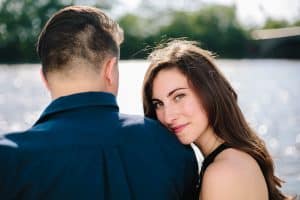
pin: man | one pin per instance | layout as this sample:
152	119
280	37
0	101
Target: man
82	147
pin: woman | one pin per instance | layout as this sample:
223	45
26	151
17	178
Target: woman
186	92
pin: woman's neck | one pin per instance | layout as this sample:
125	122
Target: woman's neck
208	141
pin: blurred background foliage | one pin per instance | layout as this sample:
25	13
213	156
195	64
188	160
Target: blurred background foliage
216	27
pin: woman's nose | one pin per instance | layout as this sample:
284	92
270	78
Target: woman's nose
170	115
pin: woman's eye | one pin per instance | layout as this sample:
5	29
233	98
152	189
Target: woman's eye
157	104
179	97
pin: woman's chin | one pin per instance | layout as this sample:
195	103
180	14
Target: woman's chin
185	141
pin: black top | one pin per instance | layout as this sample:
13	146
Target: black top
209	159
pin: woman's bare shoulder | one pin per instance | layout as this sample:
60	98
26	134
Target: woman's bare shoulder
233	175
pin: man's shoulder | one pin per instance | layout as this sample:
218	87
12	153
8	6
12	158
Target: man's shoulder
9	148
7	143
146	130
140	122
15	141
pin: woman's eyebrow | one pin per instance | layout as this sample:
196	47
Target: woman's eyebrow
155	100
176	89
170	93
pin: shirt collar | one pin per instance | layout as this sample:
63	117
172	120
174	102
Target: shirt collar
80	100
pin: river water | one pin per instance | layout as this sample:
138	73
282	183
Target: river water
269	96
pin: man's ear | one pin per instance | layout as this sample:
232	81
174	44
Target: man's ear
110	71
44	79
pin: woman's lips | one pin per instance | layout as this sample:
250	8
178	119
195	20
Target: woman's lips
179	128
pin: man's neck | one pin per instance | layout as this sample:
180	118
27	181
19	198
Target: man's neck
59	89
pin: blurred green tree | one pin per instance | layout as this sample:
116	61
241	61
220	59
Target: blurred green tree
20	24
296	23
140	33
274	23
22	21
214	26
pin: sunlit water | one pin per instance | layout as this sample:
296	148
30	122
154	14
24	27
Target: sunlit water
269	95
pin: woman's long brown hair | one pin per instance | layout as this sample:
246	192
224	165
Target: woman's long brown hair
219	100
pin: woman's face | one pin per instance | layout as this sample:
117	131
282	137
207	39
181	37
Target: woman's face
177	106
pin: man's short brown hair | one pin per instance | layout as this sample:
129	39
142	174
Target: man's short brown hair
80	32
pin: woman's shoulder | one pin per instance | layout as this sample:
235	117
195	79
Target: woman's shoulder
234	175
233	159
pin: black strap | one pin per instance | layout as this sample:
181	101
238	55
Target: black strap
209	159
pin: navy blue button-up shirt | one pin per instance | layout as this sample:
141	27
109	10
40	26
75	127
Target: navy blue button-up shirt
83	148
